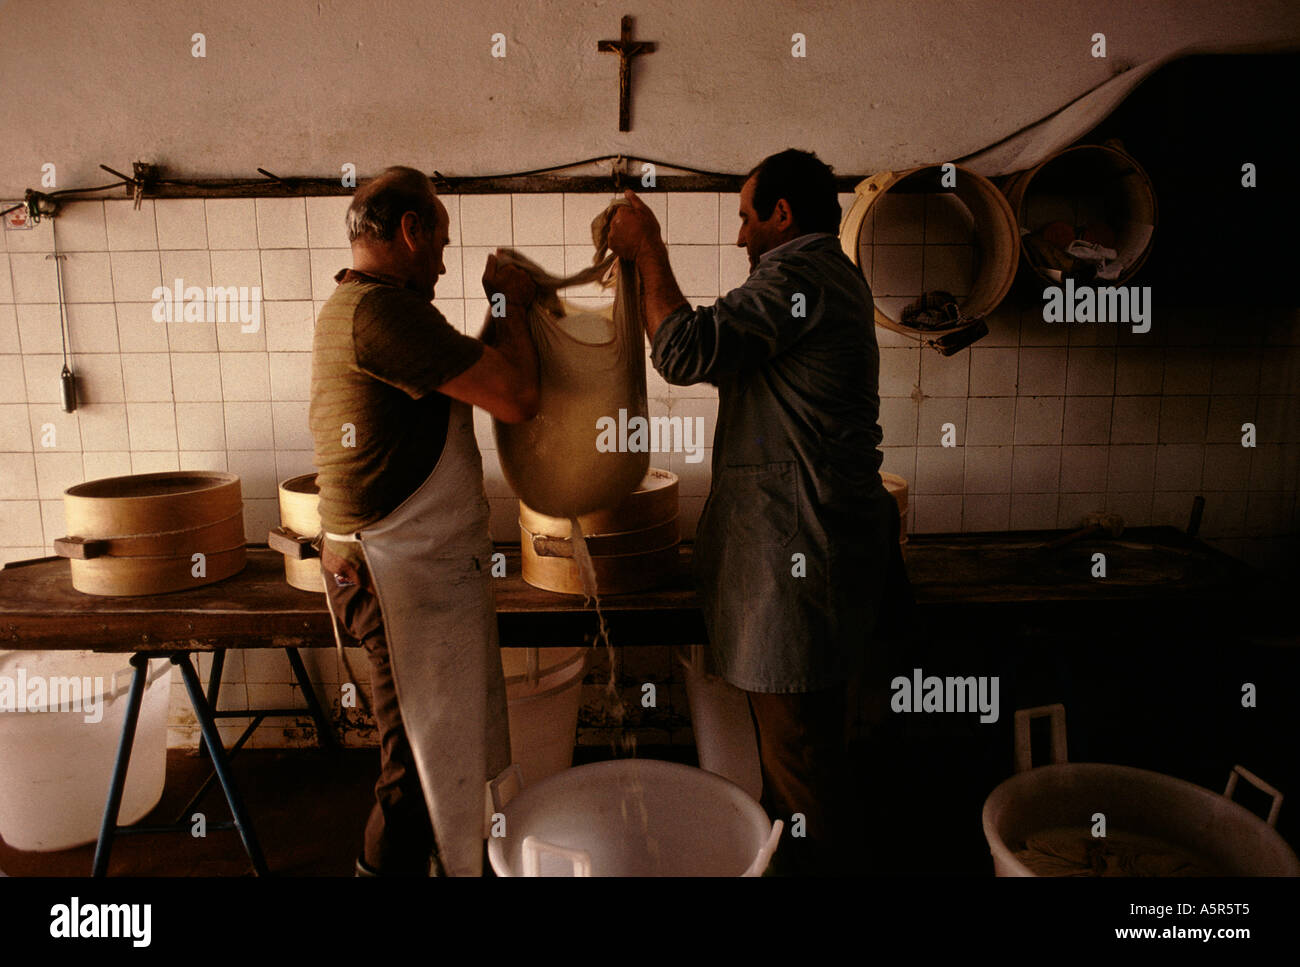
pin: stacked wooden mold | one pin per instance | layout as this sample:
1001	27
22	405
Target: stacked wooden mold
633	546
154	532
299	525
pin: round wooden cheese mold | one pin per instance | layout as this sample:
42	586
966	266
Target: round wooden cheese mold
299	512
653	502
619	574
1084	186
633	547
138	534
995	236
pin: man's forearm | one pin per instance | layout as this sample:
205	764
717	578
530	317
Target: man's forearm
510	337
660	294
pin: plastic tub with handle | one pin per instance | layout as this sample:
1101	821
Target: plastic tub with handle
58	743
544	694
1043	821
724	730
630	817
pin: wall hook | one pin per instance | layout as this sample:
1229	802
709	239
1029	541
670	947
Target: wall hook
144	177
275	178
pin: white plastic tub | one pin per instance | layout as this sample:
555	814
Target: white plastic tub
56	766
724	730
543	694
1219	836
632	817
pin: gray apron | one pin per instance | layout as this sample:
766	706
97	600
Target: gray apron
429	564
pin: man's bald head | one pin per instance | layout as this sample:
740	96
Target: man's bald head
399	230
378	206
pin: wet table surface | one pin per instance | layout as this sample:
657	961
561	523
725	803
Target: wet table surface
959	578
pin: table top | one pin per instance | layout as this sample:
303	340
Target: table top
1151	568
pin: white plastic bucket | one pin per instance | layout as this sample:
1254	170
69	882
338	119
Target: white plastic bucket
724	729
1226	839
1221	837
57	765
536	668
632	817
544	710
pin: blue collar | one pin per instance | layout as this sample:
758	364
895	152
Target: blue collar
797	244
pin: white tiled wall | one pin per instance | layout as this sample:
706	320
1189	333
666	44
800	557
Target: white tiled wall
1052	421
1049	423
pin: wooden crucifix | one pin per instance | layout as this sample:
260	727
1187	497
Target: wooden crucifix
626	48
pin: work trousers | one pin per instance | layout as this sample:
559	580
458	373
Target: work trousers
399	836
803	753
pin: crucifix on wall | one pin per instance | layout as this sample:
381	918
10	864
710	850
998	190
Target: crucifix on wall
626	48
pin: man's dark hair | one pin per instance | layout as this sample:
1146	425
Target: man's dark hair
378	206
807	185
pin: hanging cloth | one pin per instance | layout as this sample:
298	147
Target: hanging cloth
592	369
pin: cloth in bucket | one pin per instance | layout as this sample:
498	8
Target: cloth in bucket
592	367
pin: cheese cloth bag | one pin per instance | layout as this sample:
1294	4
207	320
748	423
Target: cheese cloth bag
592	367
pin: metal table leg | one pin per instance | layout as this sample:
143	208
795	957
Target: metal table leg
188	811
214	690
324	733
108	827
213	738
210	744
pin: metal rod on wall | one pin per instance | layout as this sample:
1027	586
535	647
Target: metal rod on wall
67	381
148	182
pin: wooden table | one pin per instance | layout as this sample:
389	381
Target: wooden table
956	578
961	583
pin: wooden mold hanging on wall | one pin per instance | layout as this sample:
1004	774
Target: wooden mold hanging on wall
939	247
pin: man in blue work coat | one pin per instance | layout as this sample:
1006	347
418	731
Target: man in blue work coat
798	541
